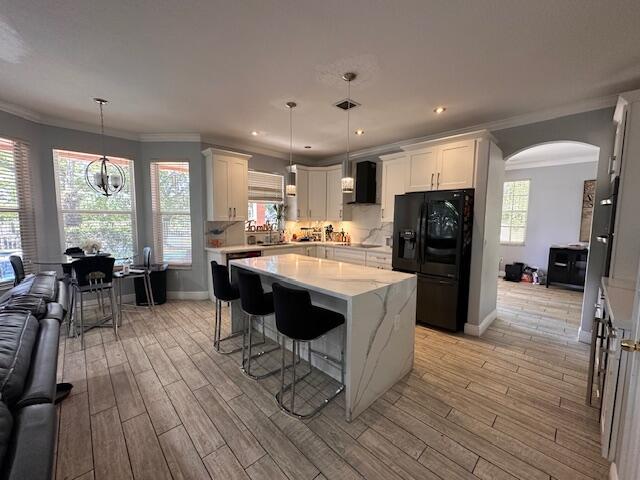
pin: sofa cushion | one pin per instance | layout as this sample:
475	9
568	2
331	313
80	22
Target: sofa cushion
43	284
18	333
6	426
40	386
30	454
55	311
30	303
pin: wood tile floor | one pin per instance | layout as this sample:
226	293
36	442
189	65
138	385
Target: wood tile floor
159	403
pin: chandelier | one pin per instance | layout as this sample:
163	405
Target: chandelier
103	176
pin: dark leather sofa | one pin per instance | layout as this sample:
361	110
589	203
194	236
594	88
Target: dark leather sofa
30	318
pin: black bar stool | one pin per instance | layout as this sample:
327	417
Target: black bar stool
301	321
255	303
224	291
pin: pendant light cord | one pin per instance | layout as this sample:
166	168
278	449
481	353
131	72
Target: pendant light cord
102	130
348	125
290	136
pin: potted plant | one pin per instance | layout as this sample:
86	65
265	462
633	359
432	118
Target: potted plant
91	246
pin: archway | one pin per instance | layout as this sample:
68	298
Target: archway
546	224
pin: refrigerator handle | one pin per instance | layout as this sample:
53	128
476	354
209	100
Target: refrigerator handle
421	231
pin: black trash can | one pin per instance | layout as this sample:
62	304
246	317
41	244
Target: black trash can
158	285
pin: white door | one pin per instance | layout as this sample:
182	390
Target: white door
423	166
456	165
238	189
394	182
221	208
627	458
302	194
334	194
317	195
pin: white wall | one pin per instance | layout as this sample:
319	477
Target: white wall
555	204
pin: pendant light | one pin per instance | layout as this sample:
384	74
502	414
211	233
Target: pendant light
103	176
290	189
347	180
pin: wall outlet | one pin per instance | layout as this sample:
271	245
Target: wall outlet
396	322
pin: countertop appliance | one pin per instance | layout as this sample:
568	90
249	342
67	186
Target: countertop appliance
432	237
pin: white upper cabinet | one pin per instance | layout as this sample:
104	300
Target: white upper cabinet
456	165
298	206
423	167
238	188
445	166
227	187
317	195
395	179
334	194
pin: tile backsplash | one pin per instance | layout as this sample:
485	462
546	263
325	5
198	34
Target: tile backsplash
365	227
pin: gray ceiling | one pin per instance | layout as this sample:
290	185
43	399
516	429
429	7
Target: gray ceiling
224	68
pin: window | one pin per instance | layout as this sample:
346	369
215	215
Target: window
87	215
265	191
515	203
170	203
17	221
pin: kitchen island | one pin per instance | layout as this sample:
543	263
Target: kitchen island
379	307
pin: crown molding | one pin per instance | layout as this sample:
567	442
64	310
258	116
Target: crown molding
170	137
510	165
515	121
19	111
223	142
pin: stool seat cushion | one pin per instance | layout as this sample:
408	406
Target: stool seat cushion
228	294
322	321
297	318
262	306
222	288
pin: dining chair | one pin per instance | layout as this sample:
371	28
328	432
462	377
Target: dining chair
18	269
139	271
93	276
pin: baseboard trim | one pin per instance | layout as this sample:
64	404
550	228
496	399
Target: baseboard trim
478	330
583	336
178	295
613	472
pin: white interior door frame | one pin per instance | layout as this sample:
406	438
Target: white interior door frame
627	464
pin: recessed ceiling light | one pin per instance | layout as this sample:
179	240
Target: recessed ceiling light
439	110
307	146
255	133
359	131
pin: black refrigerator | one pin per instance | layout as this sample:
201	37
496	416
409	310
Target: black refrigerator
432	237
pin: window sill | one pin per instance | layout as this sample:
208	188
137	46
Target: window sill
512	244
180	267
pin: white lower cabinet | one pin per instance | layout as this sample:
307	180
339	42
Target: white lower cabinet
350	256
378	260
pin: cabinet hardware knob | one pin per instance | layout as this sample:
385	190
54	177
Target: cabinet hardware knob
432	181
229	212
234	212
438	181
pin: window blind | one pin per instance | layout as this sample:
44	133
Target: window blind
265	187
85	214
171	208
17	217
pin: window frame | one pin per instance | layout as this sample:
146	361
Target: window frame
510	243
25	206
61	212
157	215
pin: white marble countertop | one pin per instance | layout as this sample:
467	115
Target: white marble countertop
337	279
249	248
619	295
